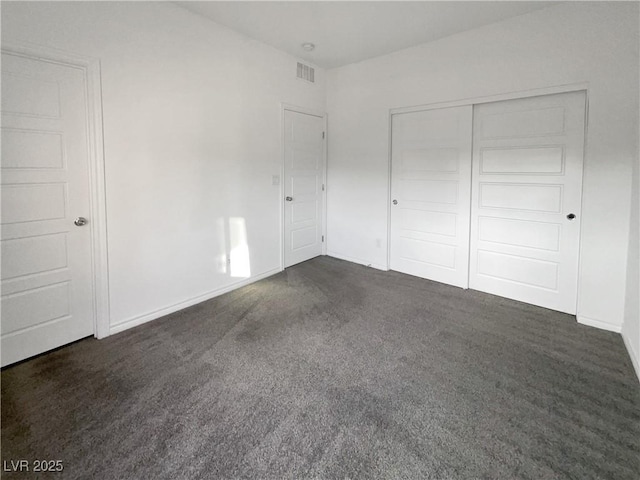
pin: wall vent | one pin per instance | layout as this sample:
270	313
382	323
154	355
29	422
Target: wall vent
305	72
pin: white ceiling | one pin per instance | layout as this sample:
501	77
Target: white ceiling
346	32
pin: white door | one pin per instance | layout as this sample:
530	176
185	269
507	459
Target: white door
430	192
303	186
527	184
47	293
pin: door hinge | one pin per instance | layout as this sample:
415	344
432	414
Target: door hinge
323	238
323	135
323	187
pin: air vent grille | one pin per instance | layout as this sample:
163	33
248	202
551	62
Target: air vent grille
305	72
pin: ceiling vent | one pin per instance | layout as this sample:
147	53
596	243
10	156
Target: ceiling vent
305	72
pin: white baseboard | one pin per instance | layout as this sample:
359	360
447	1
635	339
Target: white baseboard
147	317
359	261
599	324
635	358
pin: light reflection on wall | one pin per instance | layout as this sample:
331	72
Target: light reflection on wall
239	255
221	257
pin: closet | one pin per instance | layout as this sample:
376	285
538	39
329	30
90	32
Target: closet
488	196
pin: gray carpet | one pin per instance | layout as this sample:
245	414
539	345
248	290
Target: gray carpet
334	370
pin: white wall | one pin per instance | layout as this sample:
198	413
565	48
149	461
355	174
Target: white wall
568	43
631	326
192	139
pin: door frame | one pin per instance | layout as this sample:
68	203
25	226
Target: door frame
284	107
536	92
90	68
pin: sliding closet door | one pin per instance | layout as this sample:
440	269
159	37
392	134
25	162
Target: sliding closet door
527	184
430	192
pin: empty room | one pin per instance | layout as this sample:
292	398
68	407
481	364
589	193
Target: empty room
320	240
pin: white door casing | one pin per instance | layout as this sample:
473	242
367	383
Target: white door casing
47	277
430	194
527	178
304	173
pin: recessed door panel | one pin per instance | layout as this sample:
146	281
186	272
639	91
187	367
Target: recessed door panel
431	128
30	202
429	191
303	238
522	270
522	122
522	160
31	94
33	307
304	211
434	254
29	149
520	233
521	196
425	221
304	185
430	160
32	255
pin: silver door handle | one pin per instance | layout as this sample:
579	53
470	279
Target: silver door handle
80	221
289	199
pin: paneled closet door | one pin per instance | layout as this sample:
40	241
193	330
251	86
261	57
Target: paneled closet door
527	188
430	194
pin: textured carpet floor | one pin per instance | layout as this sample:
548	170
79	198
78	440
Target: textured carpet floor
333	370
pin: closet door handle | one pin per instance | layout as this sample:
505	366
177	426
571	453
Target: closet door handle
289	199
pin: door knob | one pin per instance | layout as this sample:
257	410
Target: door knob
395	202
289	199
571	216
80	221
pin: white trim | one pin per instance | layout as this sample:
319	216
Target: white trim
585	153
635	360
305	110
325	171
592	322
535	92
389	184
154	315
100	267
316	113
359	261
281	187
